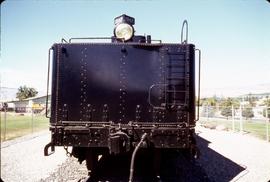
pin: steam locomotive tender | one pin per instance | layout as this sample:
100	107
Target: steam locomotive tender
112	97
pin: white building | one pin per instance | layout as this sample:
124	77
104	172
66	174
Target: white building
29	104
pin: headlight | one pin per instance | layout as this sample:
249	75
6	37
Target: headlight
124	31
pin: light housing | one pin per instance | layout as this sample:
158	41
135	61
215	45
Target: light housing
123	27
124	31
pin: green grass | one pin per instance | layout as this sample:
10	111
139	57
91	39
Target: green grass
17	125
255	128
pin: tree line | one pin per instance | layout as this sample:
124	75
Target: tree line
25	92
227	104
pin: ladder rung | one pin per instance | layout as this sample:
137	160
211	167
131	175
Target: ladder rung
175	66
177	72
178	78
177	53
177	59
176	91
178	99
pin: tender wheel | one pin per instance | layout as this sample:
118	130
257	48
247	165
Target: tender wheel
91	160
90	155
157	164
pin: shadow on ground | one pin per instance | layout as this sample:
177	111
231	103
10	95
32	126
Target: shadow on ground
211	166
217	167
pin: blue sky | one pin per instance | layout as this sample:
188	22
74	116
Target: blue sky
234	35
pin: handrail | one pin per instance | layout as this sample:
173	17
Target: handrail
48	81
89	38
199	85
183	25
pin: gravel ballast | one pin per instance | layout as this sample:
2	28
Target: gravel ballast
23	158
225	156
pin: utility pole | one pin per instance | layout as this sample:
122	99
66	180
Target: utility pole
267	125
241	120
0	130
5	121
32	120
207	111
233	128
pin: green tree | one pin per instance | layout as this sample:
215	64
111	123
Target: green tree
211	101
268	112
248	112
25	92
226	111
252	100
226	106
229	102
267	102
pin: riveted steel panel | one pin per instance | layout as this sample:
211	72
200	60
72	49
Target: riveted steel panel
123	82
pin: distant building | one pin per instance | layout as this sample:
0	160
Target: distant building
255	95
25	106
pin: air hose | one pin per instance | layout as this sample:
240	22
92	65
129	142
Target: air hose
131	171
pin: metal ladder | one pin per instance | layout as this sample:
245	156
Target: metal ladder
177	80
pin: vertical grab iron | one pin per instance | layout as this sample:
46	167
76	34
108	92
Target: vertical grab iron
185	23
48	81
199	86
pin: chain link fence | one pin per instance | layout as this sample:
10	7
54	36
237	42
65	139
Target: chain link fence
243	119
19	121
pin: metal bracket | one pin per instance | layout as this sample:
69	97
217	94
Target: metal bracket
119	142
46	149
63	40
